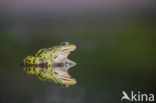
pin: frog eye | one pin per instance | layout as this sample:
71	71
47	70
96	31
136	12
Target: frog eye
64	44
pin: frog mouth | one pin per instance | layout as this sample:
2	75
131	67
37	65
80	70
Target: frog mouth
67	50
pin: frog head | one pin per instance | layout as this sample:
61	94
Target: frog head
65	47
62	51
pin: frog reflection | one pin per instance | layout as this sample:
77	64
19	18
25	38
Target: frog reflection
62	76
57	73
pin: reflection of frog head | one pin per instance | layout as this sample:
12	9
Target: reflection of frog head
62	77
57	75
62	51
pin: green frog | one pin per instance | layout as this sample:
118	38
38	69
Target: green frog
56	54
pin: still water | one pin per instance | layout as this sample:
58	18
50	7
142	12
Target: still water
114	53
99	79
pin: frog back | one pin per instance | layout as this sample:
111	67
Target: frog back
32	60
47	53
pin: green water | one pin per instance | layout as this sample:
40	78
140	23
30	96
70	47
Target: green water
112	55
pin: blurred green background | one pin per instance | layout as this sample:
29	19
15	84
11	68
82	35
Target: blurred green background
115	48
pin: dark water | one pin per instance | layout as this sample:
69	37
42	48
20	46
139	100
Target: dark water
115	53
